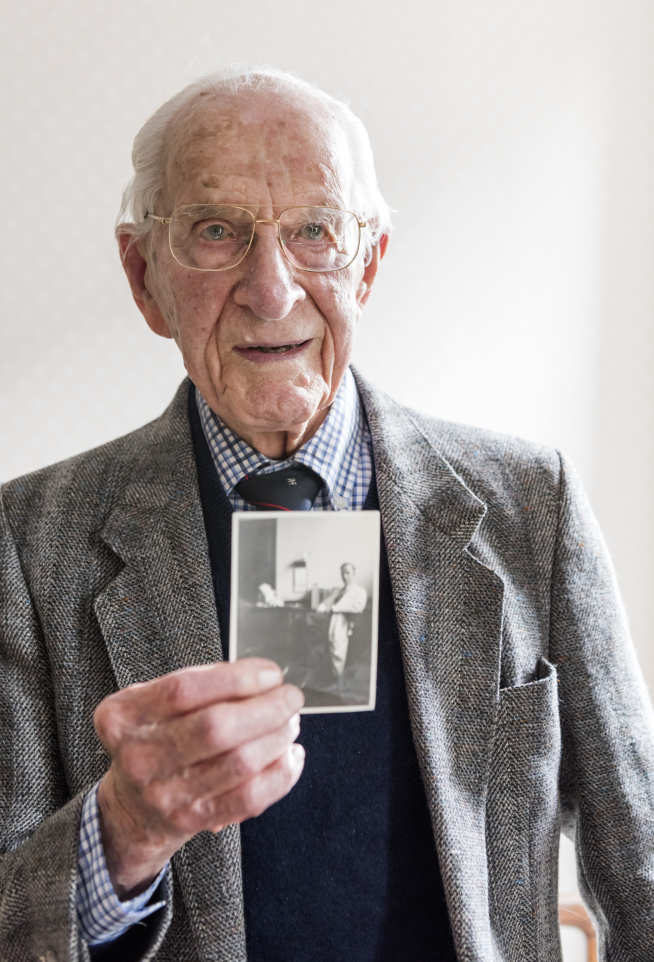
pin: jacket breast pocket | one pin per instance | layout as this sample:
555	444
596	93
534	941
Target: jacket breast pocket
522	818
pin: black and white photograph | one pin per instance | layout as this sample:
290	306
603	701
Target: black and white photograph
305	591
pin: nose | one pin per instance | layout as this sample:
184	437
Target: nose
267	285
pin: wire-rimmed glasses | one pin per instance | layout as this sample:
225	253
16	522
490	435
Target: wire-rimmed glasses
216	237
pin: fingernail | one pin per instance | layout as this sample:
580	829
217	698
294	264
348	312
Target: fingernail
269	677
294	697
295	725
297	756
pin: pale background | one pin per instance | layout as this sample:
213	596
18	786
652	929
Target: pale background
325	549
514	140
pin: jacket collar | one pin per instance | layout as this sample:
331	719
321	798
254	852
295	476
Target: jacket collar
412	471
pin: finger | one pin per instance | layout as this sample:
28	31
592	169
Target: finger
174	798
254	796
183	691
159	751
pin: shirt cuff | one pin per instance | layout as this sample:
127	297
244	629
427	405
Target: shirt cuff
102	916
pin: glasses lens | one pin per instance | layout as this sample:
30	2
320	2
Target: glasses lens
319	238
210	238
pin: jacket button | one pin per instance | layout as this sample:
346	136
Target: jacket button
48	957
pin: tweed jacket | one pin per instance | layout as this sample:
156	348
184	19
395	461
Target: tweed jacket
527	709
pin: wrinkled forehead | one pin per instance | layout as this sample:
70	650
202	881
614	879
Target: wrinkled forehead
259	148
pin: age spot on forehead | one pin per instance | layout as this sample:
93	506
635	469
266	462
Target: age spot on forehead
239	146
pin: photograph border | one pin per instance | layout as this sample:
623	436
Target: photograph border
311	517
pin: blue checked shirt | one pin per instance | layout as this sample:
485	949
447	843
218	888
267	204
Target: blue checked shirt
341	453
102	916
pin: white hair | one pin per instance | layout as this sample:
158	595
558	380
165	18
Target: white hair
149	154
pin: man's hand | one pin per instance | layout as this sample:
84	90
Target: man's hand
197	749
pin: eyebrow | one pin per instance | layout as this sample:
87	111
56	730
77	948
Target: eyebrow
198	210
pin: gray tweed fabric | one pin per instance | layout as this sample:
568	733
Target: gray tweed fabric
527	708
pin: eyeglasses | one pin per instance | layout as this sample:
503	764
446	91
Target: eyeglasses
208	237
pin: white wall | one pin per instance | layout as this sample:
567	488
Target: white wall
514	142
324	549
513	139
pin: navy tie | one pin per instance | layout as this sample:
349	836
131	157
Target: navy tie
291	489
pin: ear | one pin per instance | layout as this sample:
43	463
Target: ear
370	271
135	264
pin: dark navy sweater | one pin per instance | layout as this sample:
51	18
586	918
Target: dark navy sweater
344	867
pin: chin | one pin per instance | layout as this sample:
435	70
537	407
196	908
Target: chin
285	408
287	420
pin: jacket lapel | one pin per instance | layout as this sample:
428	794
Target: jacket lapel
449	615
158	615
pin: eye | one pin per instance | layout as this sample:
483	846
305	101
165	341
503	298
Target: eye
313	231
214	232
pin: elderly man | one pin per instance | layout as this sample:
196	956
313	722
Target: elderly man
508	702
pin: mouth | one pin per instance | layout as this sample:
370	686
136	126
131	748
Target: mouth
261	351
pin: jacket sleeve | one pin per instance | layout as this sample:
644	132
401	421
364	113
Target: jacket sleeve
607	772
39	823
